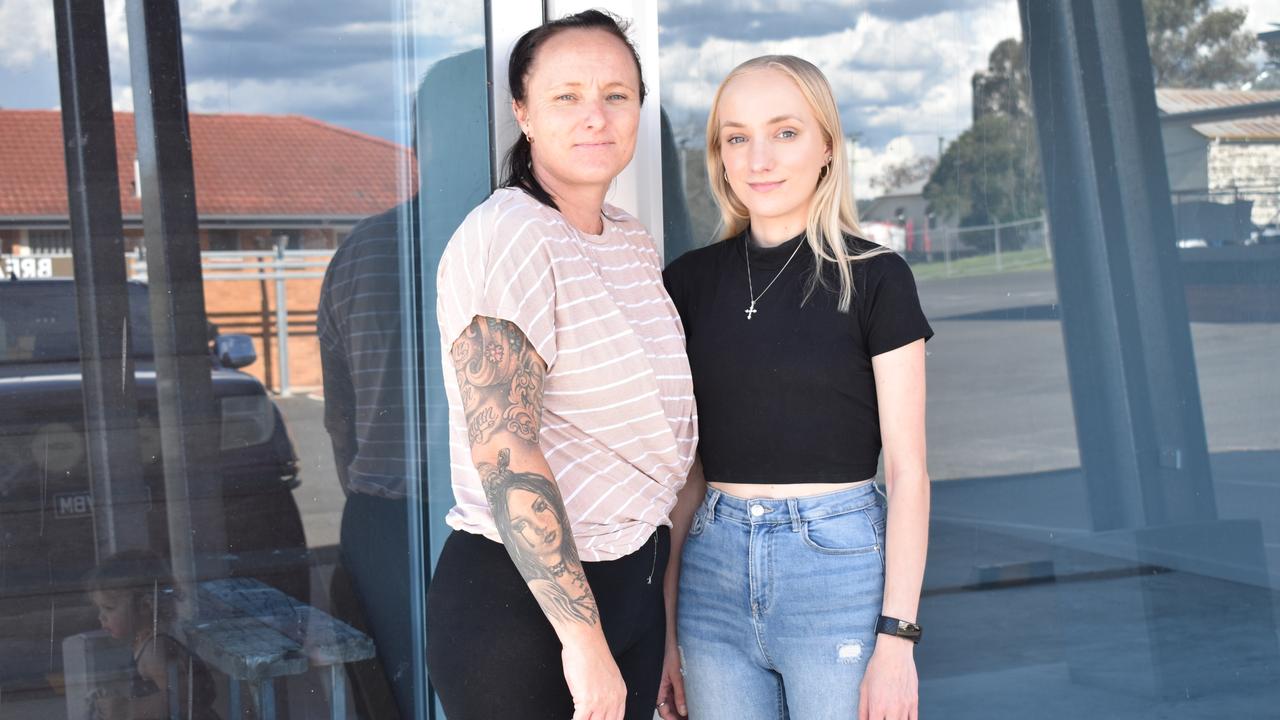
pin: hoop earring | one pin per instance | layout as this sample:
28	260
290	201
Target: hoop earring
726	174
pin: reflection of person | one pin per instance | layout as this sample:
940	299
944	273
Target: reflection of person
806	344
137	603
358	323
570	408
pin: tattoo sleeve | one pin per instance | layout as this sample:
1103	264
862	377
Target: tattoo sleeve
501	379
500	375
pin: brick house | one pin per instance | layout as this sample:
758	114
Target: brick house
258	178
261	180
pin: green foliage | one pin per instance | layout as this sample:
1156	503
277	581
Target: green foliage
1005	88
1196	46
903	173
990	174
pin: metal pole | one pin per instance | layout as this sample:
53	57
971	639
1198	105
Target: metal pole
1135	395
946	249
999	265
189	420
102	292
282	316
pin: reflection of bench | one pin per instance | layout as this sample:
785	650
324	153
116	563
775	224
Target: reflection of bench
255	634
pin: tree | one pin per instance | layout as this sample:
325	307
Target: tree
988	175
1195	46
1269	77
1005	88
991	173
903	173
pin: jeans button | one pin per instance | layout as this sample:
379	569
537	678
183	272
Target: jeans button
757	510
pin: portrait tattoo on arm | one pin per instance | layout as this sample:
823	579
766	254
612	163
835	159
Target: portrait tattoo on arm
534	527
500	376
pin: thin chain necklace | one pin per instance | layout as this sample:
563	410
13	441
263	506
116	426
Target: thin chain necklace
751	293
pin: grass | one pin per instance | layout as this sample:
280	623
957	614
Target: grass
1015	261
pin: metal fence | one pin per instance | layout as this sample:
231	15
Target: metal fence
277	266
1003	246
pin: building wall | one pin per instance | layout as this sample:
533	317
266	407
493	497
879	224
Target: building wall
1186	155
1252	167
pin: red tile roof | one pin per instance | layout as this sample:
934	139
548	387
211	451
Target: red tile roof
276	166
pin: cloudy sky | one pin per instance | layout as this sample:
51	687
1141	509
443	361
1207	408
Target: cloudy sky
900	68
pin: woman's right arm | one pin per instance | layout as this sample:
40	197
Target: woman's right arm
500	376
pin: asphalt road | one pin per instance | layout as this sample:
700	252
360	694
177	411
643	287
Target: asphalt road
999	400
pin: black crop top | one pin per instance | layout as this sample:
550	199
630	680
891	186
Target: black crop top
788	395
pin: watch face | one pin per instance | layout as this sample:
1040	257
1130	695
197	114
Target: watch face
899	628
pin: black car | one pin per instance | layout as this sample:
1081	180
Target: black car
47	532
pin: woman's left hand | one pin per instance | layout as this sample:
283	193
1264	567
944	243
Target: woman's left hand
671	705
890	688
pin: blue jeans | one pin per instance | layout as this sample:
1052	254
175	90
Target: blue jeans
778	604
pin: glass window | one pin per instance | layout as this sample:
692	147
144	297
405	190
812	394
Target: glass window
1101	460
223	470
210	490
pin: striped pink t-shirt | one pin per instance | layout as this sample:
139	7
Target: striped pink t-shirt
619	426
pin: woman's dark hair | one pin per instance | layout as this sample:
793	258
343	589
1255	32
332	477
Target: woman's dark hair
143	576
519	171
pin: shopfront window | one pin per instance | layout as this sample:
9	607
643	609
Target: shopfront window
223	460
201	247
1102	416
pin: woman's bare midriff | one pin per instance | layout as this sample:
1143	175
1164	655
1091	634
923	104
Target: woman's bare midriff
776	492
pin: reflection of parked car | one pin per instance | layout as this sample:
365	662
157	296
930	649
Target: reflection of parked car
47	538
1204	223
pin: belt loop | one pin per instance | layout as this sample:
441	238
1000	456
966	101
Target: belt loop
793	506
712	498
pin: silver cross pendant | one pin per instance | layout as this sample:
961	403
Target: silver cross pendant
751	310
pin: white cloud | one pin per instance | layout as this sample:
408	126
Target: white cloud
892	79
122	99
869	162
26	32
274	96
1263	14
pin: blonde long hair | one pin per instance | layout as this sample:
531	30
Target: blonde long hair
832	212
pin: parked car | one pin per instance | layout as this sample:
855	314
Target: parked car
47	532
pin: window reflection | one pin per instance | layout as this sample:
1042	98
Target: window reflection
1036	606
299	130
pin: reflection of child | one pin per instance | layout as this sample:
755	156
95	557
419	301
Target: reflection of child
137	602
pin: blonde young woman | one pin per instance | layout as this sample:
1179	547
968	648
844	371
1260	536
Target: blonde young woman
798	591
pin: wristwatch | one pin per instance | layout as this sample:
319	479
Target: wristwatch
898	628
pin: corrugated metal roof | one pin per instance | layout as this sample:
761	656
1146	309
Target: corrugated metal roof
1171	101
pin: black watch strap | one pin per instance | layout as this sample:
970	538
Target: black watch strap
898	628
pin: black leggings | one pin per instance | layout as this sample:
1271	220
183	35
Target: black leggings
491	653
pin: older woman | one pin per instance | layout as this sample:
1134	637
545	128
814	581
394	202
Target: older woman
570	408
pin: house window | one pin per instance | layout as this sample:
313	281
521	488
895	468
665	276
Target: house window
49	242
224	240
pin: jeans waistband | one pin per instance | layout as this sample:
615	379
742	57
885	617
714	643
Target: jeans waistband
763	511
